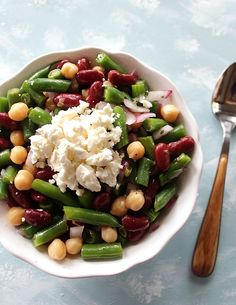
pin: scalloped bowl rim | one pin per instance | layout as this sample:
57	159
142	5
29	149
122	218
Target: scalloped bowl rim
172	223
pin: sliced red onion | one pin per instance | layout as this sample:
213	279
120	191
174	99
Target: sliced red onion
130	117
140	118
158	95
76	231
133	106
162	132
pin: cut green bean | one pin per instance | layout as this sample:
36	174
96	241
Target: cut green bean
175	169
56	110
4	158
3	190
91	236
28	128
151	214
120	120
144	170
154	107
86	199
13	96
132	177
54	192
164	196
175	134
91	216
4	105
40	116
101	251
9	175
38	97
113	95
41	73
44	236
50	85
108	64
25	98
140	88
153	124
55	74
149	146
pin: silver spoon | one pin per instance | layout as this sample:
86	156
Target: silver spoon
224	108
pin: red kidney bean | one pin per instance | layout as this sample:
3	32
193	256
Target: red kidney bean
67	100
83	64
132	137
20	197
150	192
7	122
184	145
119	79
45	173
11	201
154	225
4	144
61	63
74	86
95	93
162	156
88	77
171	202
37	218
37	197
135	236
135	223
102	202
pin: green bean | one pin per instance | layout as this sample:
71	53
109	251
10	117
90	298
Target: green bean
51	85
25	98
140	88
4	106
90	216
154	107
55	74
119	189
54	192
3	190
4	158
9	175
38	97
91	236
149	146
175	134
46	205
28	128
41	73
144	170
122	236
86	199
13	96
151	214
40	116
48	234
132	177
175	169
56	110
101	251
108	64
120	120
113	95
164	196
153	124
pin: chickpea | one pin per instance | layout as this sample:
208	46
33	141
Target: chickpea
135	200
118	207
169	112
135	150
98	68
15	215
23	180
18	111
18	154
109	234
69	70
17	138
57	249
74	245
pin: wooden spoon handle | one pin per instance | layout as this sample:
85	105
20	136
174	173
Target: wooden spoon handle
205	252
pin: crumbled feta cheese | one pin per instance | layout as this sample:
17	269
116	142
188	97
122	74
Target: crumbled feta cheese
78	146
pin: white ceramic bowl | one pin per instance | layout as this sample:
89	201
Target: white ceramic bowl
152	244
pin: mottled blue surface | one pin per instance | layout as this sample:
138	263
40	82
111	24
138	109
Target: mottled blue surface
191	41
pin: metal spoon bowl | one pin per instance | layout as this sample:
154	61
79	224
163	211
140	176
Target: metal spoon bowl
224	108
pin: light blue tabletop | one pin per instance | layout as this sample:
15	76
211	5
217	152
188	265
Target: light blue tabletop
191	41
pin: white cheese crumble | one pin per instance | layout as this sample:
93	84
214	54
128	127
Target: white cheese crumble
78	146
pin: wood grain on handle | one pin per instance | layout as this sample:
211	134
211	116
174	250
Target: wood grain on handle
205	252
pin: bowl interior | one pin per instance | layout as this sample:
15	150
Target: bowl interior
153	242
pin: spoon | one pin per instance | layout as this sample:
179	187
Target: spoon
224	108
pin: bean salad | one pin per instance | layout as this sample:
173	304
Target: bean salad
151	149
